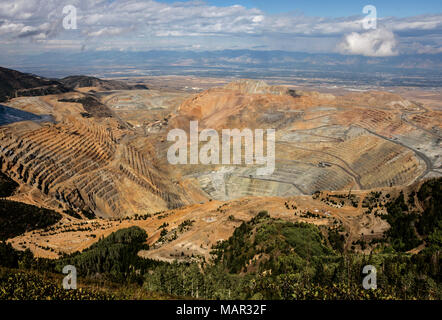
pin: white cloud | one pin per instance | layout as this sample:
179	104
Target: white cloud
426	48
374	43
9	27
422	22
214	27
106	31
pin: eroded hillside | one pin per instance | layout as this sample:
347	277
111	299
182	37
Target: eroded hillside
190	232
105	151
82	162
323	142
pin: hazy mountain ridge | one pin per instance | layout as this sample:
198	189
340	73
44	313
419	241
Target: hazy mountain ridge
408	70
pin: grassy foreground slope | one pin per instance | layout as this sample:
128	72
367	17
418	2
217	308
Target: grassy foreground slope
110	269
31	285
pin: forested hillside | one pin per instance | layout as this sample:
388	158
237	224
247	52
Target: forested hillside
17	218
265	258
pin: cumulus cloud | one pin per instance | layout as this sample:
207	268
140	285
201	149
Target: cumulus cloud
184	24
373	43
7	28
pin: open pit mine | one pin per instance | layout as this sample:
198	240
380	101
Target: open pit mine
97	149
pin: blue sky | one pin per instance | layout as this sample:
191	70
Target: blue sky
324	8
402	27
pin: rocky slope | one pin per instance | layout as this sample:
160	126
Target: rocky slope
74	82
16	84
92	159
323	142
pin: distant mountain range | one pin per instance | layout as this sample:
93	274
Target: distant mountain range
411	70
